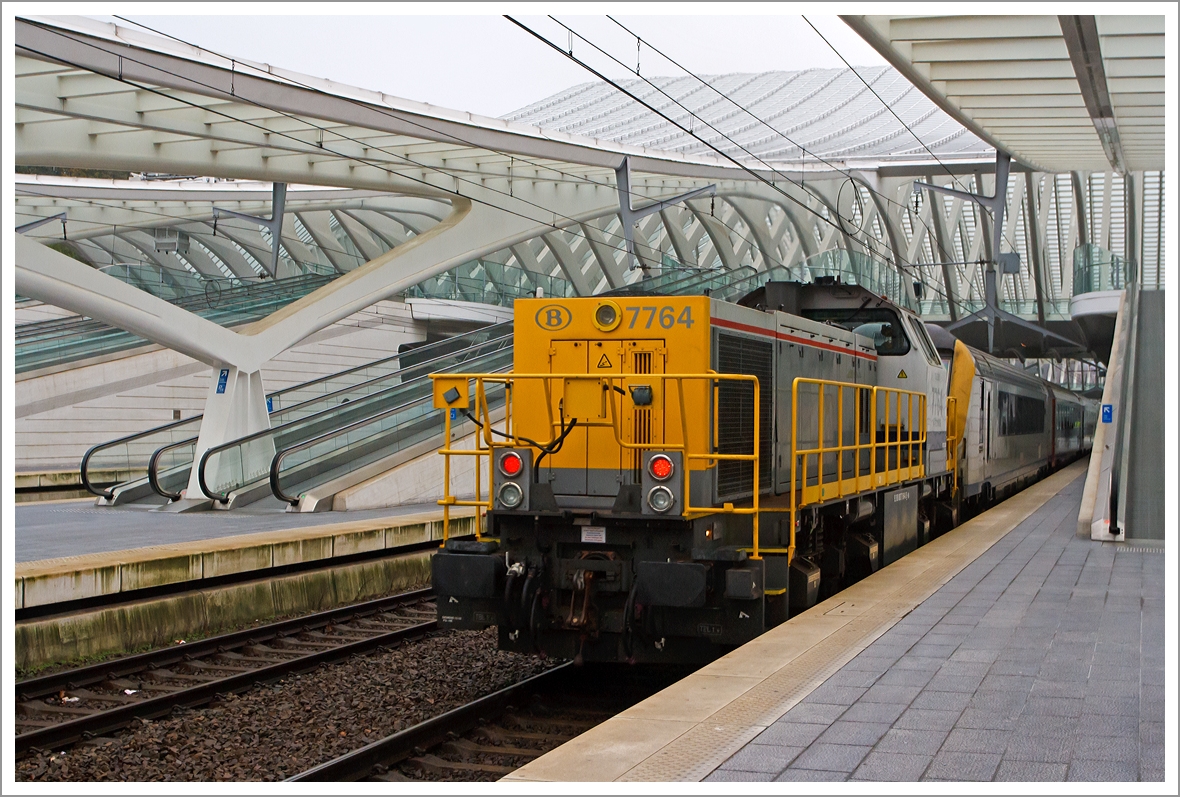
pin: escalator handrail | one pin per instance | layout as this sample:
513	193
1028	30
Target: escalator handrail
279	456
153	463
224	497
487	342
119	441
153	476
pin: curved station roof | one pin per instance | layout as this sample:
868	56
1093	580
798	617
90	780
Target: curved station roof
826	161
782	118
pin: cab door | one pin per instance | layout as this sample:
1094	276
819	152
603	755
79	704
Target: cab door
566	469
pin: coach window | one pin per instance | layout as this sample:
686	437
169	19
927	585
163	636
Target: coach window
879	324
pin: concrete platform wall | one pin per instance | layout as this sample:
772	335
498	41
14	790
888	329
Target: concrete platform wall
1145	505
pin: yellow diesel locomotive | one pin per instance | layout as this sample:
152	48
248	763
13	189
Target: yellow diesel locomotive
666	477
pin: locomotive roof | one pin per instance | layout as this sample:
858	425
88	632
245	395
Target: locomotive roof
793	297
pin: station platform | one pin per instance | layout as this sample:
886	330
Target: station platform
1007	649
135	578
49	530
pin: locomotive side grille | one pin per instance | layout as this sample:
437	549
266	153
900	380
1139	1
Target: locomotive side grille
735	413
640	418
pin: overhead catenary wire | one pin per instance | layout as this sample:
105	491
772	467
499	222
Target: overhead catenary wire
425	167
778	132
378	166
898	118
693	134
322	130
548	222
632	194
931	234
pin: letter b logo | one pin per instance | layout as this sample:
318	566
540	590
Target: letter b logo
553	317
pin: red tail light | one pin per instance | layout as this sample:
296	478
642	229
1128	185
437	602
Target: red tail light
660	467
511	464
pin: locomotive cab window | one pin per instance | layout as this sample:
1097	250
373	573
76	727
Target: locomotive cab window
923	337
879	324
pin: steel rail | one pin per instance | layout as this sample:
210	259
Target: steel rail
105	721
360	762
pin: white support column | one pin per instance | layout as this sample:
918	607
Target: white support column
234	408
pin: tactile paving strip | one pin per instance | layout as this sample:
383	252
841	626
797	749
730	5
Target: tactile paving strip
886	598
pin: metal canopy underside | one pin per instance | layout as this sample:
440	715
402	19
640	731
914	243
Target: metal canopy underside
368	171
1060	94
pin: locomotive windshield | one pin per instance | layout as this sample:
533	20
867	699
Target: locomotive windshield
879	324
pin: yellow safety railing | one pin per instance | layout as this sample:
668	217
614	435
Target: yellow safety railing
891	425
903	437
588	416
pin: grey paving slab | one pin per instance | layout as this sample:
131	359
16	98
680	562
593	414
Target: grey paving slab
832	757
1043	660
1103	770
1030	771
942	701
905	740
790	734
51	530
810	774
738	776
844	732
892	767
821	713
963	766
875	712
922	719
771	759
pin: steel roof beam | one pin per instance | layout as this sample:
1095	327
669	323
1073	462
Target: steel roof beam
1085	52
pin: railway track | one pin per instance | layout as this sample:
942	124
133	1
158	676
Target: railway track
501	732
69	706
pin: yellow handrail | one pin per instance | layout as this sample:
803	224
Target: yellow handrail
609	383
900	433
802	494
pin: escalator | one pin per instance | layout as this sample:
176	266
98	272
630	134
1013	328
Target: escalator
164	455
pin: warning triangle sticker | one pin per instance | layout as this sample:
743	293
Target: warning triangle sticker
604	362
901	375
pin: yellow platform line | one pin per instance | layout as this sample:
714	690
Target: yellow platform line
689	729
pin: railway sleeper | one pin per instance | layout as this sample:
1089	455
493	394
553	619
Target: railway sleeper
433	765
501	735
466	747
574	727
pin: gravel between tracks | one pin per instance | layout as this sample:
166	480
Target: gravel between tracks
275	731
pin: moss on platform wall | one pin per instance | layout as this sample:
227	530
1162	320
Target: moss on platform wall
157	623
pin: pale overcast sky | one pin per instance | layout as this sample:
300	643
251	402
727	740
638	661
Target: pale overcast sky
487	65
